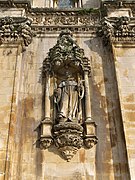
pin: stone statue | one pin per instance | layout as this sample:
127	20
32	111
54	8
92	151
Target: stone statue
68	97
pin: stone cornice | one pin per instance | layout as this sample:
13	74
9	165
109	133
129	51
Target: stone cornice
53	20
118	4
50	19
76	21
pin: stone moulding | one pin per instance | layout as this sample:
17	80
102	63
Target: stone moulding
117	30
13	29
16	4
59	20
64	18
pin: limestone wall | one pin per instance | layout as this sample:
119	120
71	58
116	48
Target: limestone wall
25	159
8	102
124	61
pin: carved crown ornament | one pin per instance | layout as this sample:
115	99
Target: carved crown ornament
67	123
13	29
117	29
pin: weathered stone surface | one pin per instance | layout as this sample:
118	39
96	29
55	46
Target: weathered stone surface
22	94
125	72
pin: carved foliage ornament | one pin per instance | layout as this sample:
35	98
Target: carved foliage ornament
65	18
66	53
118	29
68	68
55	20
13	29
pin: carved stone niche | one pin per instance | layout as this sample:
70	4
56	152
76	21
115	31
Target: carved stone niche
67	123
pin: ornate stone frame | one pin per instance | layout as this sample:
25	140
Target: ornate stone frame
68	135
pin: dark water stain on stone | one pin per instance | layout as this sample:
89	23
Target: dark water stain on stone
82	155
28	106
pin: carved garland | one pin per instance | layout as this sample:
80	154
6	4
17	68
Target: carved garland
70	126
118	29
13	29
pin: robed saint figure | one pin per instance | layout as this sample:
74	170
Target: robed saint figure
68	97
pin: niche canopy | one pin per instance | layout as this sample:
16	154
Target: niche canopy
66	55
69	127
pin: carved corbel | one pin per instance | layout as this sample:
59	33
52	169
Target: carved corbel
90	138
45	136
106	31
68	138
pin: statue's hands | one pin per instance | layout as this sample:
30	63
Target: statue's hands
81	91
57	95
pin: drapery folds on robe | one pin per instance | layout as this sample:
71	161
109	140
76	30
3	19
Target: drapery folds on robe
68	97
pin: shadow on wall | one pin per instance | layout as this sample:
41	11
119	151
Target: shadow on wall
111	124
91	4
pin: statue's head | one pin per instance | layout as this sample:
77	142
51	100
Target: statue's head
65	41
68	74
